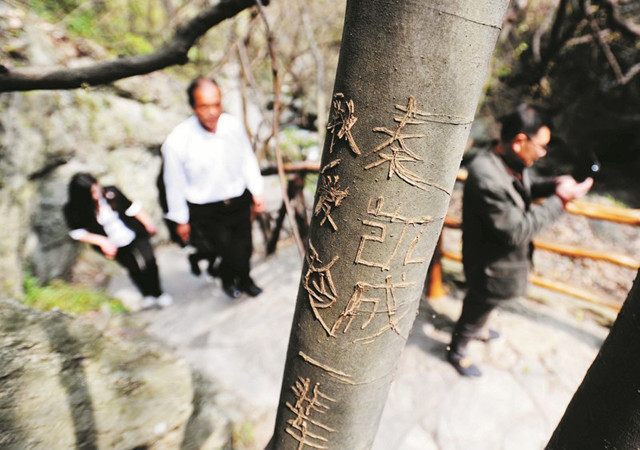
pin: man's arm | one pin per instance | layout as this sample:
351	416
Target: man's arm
542	187
508	222
251	171
175	185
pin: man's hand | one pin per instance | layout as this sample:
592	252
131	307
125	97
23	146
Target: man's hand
568	189
184	231
258	204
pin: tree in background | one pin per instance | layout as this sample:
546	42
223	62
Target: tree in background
405	96
604	410
580	60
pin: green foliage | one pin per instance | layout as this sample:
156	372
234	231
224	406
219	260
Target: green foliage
311	183
243	435
520	49
611	200
136	45
125	28
66	297
53	10
83	24
296	143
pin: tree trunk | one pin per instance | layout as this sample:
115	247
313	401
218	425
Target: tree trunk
409	78
605	410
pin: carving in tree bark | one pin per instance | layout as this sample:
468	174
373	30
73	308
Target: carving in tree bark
175	52
405	95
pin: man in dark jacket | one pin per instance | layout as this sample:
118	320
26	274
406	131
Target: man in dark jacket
499	222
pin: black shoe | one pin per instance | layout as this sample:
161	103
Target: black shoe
193	262
213	269
464	366
250	288
487	335
231	290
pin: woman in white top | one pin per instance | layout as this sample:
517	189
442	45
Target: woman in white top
117	228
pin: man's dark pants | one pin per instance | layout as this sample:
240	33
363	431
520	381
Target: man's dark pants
225	228
476	309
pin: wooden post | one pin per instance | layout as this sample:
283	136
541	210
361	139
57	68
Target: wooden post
434	276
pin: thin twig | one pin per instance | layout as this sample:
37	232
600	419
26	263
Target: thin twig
317	56
276	122
606	50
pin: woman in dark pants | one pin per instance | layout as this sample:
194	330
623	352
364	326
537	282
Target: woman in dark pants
119	229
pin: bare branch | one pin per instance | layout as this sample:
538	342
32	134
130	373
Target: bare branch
168	7
593	23
627	27
542	30
276	121
587	38
317	56
632	72
175	52
557	38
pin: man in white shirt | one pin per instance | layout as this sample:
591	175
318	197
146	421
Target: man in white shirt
212	181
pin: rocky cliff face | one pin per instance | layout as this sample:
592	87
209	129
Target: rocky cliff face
113	132
64	383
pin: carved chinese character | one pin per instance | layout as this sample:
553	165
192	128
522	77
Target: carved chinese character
408	224
306	428
365	306
319	284
330	196
395	150
334	373
341	121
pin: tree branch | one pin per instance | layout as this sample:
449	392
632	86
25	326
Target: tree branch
541	31
604	47
175	52
557	39
317	56
627	27
632	72
276	121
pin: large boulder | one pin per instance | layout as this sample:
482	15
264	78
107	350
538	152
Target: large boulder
114	132
64	383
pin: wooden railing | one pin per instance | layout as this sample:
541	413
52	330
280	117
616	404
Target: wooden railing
298	170
578	207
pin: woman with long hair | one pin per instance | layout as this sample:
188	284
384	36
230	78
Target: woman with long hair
119	229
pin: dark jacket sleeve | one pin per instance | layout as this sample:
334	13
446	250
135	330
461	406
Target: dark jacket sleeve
542	187
507	222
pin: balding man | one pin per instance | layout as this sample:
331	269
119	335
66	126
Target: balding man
212	182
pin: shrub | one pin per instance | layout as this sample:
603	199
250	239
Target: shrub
67	297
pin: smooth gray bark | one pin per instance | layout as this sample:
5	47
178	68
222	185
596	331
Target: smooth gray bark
605	410
409	78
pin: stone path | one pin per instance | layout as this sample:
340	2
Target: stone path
529	377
